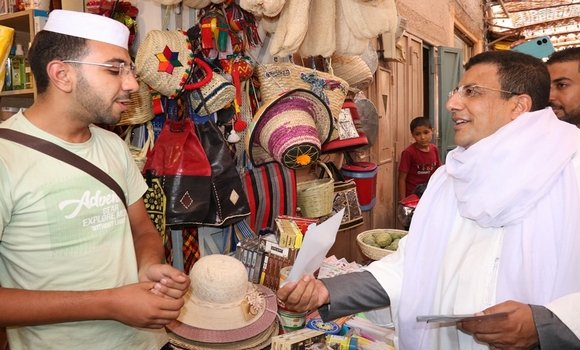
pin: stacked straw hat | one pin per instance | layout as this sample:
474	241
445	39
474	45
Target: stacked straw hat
289	129
353	69
223	310
164	60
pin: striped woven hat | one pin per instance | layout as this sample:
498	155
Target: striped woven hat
164	60
289	129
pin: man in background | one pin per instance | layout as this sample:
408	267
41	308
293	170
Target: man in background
564	68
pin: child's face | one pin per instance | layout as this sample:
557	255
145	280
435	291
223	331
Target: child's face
422	135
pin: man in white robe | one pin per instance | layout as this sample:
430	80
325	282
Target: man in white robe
496	231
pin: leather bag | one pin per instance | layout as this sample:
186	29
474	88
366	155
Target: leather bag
179	161
228	200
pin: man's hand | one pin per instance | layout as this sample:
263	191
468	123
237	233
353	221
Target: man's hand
306	294
169	281
517	330
136	306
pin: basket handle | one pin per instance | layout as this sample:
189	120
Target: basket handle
328	172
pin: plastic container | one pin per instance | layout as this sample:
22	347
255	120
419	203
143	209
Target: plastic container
365	177
18	69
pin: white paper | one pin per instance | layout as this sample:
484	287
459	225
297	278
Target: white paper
456	318
317	242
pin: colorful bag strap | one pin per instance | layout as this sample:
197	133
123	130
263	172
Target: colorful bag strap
64	155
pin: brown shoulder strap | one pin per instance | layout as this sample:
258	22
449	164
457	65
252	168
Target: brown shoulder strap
64	155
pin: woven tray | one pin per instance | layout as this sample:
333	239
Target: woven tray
371	252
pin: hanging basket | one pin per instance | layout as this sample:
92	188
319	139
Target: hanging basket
315	197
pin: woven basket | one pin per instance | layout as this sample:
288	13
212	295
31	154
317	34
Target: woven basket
276	78
140	153
140	107
371	252
315	197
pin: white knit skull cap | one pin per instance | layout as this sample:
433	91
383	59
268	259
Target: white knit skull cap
88	26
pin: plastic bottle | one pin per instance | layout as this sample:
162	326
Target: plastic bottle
8	75
28	72
18	69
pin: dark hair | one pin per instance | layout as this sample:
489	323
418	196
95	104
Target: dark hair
567	55
49	46
519	73
420	121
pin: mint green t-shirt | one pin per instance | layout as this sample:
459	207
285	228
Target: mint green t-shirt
61	229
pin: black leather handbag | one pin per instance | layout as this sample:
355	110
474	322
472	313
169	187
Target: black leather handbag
229	203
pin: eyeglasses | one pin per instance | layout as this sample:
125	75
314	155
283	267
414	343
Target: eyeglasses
122	69
473	90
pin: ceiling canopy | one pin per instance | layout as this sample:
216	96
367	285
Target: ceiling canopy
510	22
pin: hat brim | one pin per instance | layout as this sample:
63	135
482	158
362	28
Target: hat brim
258	342
323	122
232	335
346	144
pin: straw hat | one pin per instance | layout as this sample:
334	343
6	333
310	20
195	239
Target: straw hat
289	129
353	69
222	306
164	61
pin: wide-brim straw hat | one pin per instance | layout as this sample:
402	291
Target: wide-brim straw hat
164	60
289	129
353	69
222	306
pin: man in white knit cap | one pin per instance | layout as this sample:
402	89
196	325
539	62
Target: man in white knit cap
80	267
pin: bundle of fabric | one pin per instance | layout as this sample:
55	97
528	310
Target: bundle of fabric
291	28
320	39
260	8
223	310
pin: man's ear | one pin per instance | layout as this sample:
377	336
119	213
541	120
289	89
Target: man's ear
60	75
523	104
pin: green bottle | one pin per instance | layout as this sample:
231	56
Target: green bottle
18	69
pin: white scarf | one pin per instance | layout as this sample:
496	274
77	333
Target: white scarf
520	178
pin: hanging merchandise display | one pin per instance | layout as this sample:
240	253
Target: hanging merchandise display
289	129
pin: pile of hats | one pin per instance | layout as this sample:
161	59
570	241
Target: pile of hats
223	310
